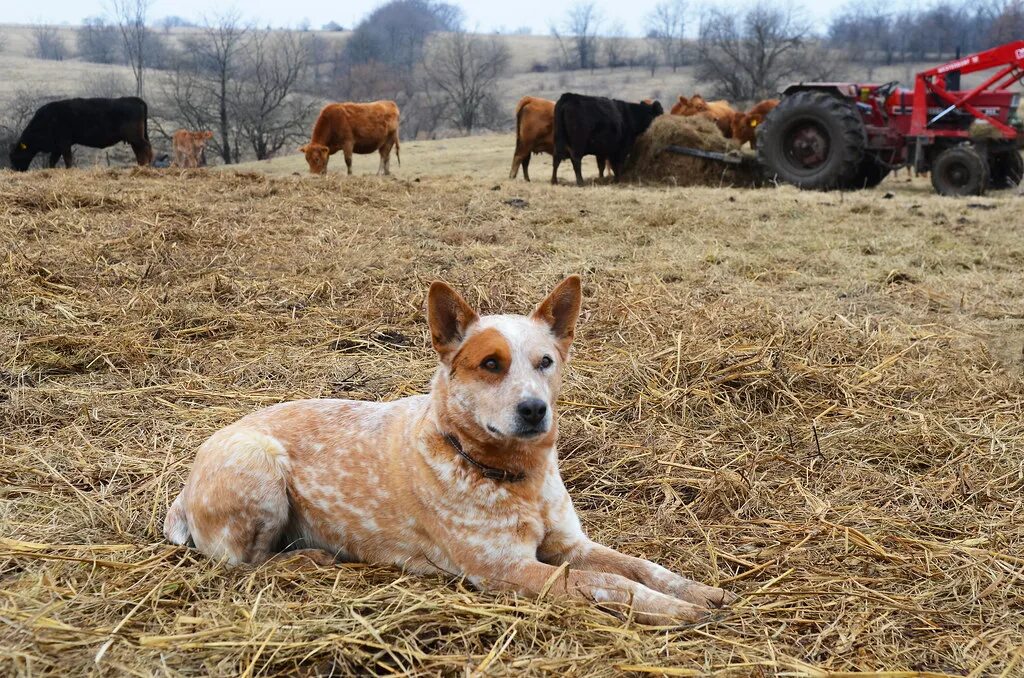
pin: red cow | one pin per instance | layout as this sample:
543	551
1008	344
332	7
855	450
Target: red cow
354	128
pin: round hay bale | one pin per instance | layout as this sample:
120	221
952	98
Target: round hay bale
650	162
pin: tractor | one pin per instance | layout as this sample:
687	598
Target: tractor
827	135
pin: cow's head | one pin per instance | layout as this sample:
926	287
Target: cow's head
21	156
499	375
316	156
744	127
691	106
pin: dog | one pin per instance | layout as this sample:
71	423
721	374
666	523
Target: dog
462	481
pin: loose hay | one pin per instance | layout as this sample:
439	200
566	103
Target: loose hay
650	162
751	403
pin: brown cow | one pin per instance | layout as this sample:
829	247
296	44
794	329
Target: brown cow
744	126
354	128
721	112
535	133
190	148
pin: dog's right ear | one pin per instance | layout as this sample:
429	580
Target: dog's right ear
449	316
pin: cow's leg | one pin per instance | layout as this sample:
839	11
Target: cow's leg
601	164
68	159
577	167
555	161
347	151
525	164
385	159
54	157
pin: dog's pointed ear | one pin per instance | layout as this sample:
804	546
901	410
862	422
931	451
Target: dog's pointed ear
560	310
449	316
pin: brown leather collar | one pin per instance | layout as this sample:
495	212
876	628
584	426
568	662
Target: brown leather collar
489	472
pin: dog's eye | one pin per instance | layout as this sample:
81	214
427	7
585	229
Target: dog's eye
491	365
546	362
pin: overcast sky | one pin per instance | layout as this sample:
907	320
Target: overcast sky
482	15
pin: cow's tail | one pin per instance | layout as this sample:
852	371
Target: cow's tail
519	114
398	148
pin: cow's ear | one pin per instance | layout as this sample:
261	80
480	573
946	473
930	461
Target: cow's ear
302	149
560	309
449	316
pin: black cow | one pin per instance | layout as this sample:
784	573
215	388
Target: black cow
598	126
97	123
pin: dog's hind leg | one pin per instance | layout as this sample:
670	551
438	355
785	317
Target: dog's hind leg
236	499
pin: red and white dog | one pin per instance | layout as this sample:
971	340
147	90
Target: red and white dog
462	481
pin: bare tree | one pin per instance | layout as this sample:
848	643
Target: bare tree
619	50
577	39
47	43
396	32
748	55
97	41
666	24
215	61
466	68
131	22
268	112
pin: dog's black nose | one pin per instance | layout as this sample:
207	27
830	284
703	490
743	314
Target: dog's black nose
532	410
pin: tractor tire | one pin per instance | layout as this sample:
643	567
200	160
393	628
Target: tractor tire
870	174
813	140
960	170
1006	169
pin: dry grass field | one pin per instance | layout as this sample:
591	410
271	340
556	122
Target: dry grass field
812	399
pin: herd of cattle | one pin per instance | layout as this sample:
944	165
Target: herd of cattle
571	128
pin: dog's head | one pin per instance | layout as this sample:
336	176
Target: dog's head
500	374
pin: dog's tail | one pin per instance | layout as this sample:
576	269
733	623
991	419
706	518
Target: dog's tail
176	524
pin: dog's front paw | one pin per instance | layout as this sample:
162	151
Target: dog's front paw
668	611
702	594
707	596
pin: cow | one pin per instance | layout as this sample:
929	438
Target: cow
354	128
720	112
190	148
97	123
535	133
607	128
744	126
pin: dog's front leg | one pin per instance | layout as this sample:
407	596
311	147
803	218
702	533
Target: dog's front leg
589	555
565	542
613	591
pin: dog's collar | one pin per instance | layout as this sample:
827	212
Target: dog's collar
489	472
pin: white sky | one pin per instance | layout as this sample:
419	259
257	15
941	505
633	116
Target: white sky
482	15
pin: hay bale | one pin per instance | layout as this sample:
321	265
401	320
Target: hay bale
650	162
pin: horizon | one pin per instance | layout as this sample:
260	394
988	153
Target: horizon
480	16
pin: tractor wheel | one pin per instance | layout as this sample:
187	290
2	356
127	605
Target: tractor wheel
813	140
960	170
870	174
1006	169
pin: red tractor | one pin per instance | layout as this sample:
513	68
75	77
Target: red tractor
843	135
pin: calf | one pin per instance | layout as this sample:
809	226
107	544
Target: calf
354	128
720	112
97	123
535	133
607	128
190	148
744	126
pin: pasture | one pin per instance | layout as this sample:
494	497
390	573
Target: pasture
812	399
